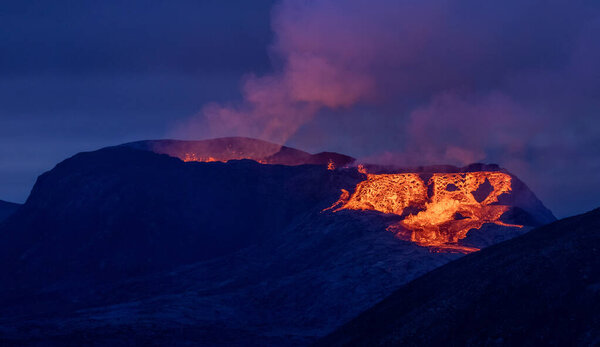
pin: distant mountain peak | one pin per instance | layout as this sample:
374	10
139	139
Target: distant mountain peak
236	148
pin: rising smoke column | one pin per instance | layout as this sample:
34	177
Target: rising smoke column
331	54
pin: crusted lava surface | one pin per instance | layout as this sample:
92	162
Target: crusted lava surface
436	209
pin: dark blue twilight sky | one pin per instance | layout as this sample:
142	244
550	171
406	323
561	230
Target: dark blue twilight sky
79	75
516	82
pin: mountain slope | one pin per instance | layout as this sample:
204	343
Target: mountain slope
119	212
7	209
542	288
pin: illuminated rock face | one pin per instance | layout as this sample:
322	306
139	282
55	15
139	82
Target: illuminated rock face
437	209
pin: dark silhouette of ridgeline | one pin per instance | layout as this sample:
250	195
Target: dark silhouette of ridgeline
7	208
539	289
126	245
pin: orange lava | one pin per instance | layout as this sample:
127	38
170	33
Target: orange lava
193	157
330	165
361	168
188	157
437	212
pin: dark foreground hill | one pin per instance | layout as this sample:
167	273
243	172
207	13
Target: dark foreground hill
6	209
125	246
540	289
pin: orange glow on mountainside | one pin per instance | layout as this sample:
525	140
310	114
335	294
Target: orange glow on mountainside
187	157
330	165
437	211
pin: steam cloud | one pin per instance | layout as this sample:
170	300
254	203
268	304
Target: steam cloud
449	82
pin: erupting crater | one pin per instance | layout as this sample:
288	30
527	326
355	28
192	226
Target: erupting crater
436	209
238	148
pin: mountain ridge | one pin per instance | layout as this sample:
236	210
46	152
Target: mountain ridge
125	244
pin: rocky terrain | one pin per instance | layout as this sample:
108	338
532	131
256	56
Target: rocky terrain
126	245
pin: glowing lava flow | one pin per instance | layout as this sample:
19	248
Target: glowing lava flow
187	157
437	212
330	165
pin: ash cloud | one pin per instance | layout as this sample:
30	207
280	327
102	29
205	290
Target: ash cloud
444	82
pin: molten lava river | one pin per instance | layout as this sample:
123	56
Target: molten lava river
438	209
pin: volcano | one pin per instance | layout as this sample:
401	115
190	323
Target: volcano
235	241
